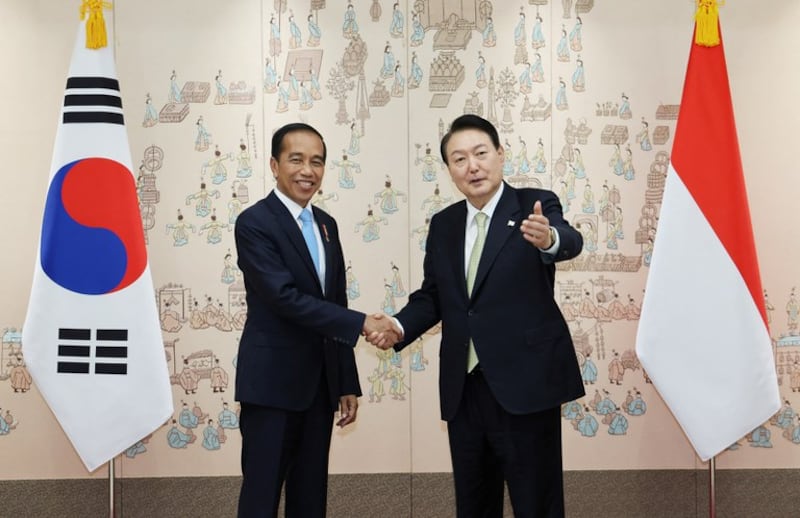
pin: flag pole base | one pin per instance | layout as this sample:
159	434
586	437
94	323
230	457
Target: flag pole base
111	495
712	488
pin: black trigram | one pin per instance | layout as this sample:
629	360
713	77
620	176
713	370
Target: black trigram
92	99
75	351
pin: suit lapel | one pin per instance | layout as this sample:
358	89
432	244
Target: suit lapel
293	233
500	229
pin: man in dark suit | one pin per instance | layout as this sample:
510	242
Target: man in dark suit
296	362
507	361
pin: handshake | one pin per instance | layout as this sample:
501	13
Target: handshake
381	330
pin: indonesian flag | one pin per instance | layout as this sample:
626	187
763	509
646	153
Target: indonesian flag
91	338
703	336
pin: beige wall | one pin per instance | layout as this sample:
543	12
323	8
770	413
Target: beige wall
636	47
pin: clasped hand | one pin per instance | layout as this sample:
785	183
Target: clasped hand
381	331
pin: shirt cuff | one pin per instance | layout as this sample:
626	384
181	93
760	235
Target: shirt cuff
399	325
553	250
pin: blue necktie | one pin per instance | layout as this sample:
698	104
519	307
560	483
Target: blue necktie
308	235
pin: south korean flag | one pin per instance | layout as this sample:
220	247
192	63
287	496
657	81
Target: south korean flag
91	338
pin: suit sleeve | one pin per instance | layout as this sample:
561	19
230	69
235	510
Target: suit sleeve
348	372
267	273
570	240
422	311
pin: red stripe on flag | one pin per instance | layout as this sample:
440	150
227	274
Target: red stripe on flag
706	156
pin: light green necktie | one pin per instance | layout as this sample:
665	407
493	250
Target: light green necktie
472	270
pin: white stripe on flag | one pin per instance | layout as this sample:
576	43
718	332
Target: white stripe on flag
701	338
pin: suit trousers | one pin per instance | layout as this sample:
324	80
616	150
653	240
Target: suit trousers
285	446
488	446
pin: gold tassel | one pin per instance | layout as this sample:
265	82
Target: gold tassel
707	22
96	36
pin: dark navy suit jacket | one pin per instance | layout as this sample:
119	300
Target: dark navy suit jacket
522	340
293	330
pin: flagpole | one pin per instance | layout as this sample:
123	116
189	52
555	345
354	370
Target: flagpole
97	37
111	498
712	488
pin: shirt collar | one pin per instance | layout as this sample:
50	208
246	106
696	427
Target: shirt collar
487	209
291	205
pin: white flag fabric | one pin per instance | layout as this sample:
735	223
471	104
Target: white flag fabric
703	337
91	338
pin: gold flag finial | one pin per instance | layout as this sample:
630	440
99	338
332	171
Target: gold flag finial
707	22
96	24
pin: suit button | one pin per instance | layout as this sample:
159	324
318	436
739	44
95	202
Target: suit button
470	312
